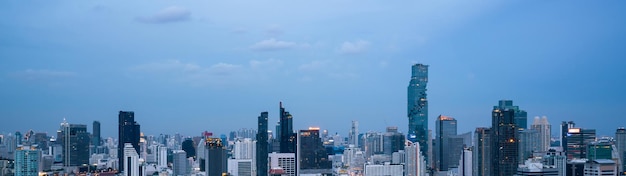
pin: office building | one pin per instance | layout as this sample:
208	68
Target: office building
283	164
555	159
311	154
620	146
529	142
75	141
577	141
215	156
96	139
243	149
447	145
131	161
415	163
262	146
504	142
521	117
482	152
417	106
393	141
287	136
600	167
353	138
465	162
599	150
373	144
189	147
543	127
565	126
128	132
536	167
27	159
240	167
180	163
383	169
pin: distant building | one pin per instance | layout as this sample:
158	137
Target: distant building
282	164
601	167
556	159
482	152
311	154
75	144
535	167
215	156
504	140
354	134
529	140
600	150
417	106
287	136
448	145
262	146
415	163
465	163
620	146
520	116
384	169
393	141
543	127
180	163
132	163
96	139
189	147
27	159
128	132
373	144
577	141
240	167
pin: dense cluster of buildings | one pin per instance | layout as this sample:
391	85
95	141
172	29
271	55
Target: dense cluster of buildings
508	147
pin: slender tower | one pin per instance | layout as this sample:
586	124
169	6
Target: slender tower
287	136
262	145
417	109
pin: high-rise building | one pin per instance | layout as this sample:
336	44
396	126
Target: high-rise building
599	150
446	153
262	146
577	141
128	132
565	126
311	153
283	164
287	136
417	106
393	141
556	159
216	159
504	142
521	117
620	146
132	164
180	162
415	164
373	144
27	160
542	126
96	140
240	167
529	140
354	134
482	152
75	144
465	162
189	147
243	149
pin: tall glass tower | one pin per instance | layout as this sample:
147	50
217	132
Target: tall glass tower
417	109
128	132
262	145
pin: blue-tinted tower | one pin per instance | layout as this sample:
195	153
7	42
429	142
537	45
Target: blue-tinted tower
417	108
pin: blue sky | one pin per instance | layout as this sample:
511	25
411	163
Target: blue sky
190	66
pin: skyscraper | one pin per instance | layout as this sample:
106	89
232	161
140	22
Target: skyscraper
262	145
577	141
448	145
544	128
128	132
521	117
354	134
27	161
311	153
216	157
75	142
620	146
131	165
504	145
482	152
96	140
565	126
180	162
417	107
287	136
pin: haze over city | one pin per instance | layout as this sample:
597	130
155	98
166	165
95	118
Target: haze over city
192	66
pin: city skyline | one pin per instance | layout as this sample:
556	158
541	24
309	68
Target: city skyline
192	65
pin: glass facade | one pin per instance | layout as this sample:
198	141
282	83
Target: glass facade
417	107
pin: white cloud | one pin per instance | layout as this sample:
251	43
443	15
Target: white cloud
314	65
355	47
272	44
224	69
43	74
167	15
266	64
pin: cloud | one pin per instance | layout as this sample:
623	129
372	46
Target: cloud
274	30
193	74
223	68
44	74
272	45
167	15
355	47
313	65
266	64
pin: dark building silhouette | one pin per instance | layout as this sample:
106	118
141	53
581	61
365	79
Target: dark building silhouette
521	117
189	147
216	157
393	141
504	147
311	151
287	136
262	145
75	141
417	108
482	152
96	140
128	132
